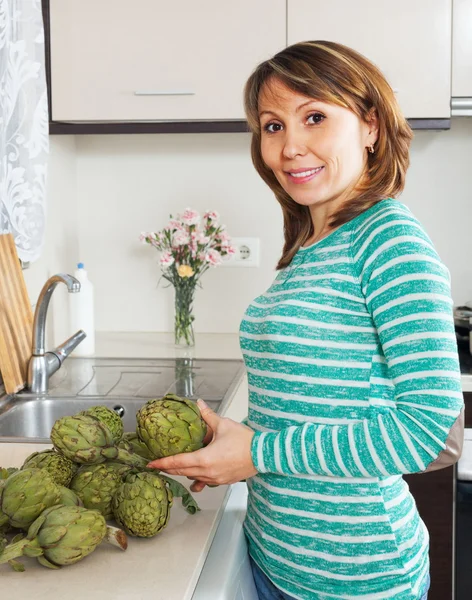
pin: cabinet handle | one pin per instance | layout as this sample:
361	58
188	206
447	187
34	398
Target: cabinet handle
163	93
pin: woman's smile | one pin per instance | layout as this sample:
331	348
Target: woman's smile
303	175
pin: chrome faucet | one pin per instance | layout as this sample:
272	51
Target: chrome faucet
43	364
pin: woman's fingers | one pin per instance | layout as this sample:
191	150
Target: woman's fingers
197	486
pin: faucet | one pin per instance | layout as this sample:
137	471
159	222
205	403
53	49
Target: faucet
43	364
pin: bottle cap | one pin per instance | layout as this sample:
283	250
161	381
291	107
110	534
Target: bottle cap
80	265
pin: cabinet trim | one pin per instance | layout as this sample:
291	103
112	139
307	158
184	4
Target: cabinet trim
237	126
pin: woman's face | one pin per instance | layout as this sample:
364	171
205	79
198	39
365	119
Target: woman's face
317	150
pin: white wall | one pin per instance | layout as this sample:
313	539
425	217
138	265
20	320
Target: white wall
61	238
105	190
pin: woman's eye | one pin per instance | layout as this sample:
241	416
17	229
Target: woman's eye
272	127
316	118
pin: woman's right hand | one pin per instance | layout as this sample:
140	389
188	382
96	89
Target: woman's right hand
197	486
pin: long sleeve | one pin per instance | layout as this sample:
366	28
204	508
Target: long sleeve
407	294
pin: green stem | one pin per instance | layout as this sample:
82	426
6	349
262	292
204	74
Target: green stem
13	551
180	491
184	296
131	459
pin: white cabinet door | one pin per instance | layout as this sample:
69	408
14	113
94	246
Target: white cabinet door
154	60
462	48
410	40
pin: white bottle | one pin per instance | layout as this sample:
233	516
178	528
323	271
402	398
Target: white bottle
81	310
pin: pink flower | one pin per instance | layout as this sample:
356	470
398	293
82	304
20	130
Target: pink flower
211	215
142	237
190	217
180	238
167	259
174	224
213	257
224	237
203	239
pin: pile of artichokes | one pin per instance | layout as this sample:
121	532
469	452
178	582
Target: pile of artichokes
56	507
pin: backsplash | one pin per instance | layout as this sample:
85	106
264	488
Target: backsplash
104	190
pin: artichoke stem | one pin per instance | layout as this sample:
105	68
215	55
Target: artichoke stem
133	460
116	537
17	566
13	551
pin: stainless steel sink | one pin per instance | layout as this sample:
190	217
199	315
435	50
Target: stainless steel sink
123	385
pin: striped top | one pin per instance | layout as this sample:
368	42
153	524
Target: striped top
354	380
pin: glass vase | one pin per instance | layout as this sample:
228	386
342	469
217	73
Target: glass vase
184	318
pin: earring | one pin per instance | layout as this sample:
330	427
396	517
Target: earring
371	149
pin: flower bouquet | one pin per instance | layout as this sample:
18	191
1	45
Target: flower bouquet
190	245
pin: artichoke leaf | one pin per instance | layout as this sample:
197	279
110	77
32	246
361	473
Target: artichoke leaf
180	491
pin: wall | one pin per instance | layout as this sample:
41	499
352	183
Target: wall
61	237
107	189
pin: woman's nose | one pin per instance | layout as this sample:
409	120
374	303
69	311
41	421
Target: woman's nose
294	145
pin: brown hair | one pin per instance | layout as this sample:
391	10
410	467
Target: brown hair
334	73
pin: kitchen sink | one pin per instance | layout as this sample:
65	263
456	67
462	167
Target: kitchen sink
123	385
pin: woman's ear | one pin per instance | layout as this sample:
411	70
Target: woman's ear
373	126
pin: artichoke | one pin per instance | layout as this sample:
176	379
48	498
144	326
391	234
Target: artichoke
119	468
142	504
69	498
85	439
58	466
63	535
109	418
25	495
134	444
170	425
96	485
5	473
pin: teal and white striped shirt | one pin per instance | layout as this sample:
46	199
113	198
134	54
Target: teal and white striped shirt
354	380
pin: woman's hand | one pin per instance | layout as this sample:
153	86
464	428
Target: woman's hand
226	459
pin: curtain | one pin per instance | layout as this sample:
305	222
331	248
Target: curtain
24	141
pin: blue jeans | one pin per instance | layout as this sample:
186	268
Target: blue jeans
266	590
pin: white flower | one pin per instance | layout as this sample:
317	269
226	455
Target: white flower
167	260
190	217
212	215
213	257
180	238
174	224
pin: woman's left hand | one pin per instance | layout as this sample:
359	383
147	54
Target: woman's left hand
226	459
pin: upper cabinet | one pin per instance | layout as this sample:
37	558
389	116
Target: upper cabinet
462	49
153	60
410	41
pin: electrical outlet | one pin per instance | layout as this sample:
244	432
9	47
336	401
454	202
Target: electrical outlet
247	253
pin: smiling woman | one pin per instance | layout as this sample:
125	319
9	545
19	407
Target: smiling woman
351	354
328	137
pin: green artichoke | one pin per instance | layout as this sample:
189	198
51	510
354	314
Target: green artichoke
69	498
85	439
132	441
63	535
96	485
109	418
142	504
170	425
5	473
60	468
25	495
119	468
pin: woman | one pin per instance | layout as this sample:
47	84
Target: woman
351	354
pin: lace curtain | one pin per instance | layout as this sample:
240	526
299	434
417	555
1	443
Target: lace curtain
24	142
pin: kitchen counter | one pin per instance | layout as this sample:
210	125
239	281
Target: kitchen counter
166	567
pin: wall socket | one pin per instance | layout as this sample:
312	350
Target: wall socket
247	253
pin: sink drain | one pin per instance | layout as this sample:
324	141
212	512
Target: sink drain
120	410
